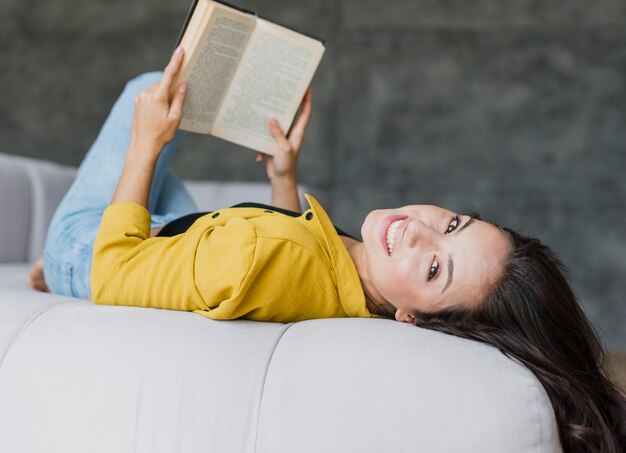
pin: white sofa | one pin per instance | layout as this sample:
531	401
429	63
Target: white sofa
78	377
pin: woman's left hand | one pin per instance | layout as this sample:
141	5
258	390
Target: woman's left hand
157	113
283	165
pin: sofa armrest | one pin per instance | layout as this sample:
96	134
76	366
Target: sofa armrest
30	191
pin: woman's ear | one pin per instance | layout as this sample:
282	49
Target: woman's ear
404	316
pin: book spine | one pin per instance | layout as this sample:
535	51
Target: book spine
189	14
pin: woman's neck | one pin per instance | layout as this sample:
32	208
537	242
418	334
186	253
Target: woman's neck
374	302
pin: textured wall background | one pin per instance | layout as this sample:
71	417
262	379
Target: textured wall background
514	108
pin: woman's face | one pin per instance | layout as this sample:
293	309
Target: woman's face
428	258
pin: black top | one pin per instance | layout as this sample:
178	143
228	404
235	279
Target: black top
183	223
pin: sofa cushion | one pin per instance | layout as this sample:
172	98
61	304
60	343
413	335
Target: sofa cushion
18	308
82	377
372	385
212	195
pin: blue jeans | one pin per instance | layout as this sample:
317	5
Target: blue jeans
72	232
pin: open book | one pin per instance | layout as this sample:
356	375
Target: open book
241	70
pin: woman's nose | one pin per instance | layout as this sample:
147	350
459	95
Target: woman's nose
417	232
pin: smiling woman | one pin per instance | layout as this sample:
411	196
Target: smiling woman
418	264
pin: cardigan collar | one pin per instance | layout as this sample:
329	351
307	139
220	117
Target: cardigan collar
351	295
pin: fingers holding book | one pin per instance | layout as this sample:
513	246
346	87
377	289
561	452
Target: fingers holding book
164	86
157	113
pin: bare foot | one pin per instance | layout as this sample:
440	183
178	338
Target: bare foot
36	278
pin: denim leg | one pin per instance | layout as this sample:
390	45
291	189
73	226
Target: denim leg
75	223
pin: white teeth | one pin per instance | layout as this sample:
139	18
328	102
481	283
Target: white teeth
391	234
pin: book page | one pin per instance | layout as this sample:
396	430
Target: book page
212	65
274	72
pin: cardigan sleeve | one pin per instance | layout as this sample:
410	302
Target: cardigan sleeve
123	227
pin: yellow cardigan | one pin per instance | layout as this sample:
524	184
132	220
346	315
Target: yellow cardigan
234	263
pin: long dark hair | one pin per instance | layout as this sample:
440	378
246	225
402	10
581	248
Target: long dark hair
531	314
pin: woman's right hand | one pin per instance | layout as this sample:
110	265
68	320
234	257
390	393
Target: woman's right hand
283	165
157	112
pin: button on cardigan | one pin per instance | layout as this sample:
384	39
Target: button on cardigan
243	263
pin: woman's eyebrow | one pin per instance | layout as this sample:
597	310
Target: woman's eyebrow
473	217
450	270
468	223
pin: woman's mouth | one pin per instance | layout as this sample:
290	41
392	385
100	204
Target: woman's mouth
389	228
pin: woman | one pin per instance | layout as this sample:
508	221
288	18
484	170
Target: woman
422	265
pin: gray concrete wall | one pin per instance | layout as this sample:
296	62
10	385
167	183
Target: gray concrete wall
514	108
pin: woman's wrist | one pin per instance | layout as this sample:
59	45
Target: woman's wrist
284	181
285	193
143	152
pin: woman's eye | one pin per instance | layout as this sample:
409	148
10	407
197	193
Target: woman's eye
453	224
434	268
